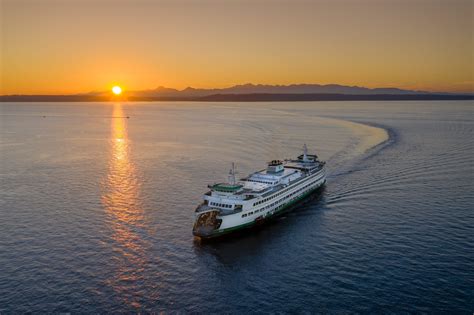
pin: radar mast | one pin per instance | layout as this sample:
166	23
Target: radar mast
232	175
305	153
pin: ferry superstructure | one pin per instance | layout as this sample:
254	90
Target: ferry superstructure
263	195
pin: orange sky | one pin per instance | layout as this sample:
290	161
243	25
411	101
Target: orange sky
73	46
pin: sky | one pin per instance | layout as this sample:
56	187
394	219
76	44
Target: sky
77	46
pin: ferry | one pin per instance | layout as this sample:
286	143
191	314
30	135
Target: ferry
260	197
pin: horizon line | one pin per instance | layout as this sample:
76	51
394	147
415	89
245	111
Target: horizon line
190	87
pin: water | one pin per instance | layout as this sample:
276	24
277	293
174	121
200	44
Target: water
97	208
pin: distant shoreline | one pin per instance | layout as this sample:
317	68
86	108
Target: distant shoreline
256	97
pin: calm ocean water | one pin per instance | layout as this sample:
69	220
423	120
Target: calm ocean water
96	209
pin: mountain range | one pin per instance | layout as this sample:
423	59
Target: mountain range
272	89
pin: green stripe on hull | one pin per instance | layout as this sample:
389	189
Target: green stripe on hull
284	209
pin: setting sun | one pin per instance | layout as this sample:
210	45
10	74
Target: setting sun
117	90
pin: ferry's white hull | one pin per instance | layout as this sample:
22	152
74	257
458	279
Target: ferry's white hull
270	209
261	196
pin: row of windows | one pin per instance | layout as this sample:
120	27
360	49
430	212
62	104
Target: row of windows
269	198
279	201
252	212
222	205
260	181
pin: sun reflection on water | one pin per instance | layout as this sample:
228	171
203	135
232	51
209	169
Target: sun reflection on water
121	200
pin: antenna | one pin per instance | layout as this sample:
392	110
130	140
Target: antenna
305	153
232	174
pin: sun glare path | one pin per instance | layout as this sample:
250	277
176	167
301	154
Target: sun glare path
122	202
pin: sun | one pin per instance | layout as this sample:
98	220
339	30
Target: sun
117	90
